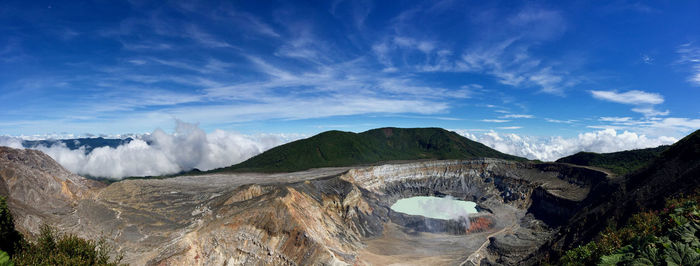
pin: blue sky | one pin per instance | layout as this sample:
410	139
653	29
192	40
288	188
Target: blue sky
534	68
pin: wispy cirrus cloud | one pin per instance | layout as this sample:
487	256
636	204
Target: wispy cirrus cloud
568	121
517	116
634	97
505	54
644	101
495	120
615	119
650	111
227	62
690	55
668	126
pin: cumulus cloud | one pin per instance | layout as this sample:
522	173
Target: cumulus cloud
11	142
553	148
160	153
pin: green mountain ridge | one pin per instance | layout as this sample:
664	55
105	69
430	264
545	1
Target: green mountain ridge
621	163
339	148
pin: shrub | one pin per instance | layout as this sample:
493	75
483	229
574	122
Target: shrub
667	237
52	248
5	259
581	255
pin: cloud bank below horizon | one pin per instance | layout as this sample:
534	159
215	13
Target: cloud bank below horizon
553	148
189	147
159	153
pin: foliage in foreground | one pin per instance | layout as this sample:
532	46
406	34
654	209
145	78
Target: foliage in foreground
51	248
11	239
5	259
667	237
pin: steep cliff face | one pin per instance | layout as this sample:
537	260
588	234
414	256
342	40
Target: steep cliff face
320	216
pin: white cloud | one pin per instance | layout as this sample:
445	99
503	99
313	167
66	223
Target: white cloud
495	120
553	148
690	55
538	24
650	111
570	121
644	101
11	142
505	55
634	97
204	38
424	46
615	119
513	127
517	116
510	62
676	123
652	125
161	153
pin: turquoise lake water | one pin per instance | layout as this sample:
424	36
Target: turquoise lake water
446	208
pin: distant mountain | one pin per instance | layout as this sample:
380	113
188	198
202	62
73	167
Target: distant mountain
620	163
339	148
89	143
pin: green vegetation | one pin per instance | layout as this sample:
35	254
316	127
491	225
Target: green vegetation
56	249
663	237
620	163
338	148
50	248
5	259
11	239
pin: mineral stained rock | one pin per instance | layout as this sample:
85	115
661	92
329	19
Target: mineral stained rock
324	216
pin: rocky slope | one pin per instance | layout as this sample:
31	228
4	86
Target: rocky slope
321	216
38	189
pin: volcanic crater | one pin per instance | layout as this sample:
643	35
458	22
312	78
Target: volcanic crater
326	215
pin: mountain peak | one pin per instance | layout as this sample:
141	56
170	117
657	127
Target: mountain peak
340	148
